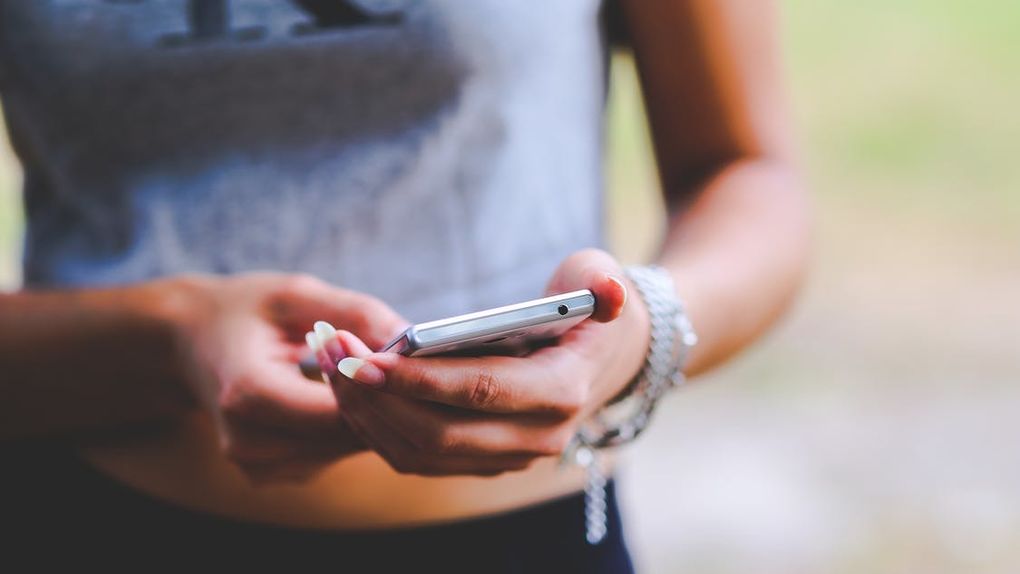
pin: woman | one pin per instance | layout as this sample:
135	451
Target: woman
389	162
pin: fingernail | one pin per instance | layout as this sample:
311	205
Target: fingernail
328	342
313	341
324	331
320	356
623	287
361	371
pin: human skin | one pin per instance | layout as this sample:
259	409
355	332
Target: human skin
207	362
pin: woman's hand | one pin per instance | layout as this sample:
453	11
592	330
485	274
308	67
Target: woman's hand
242	339
487	415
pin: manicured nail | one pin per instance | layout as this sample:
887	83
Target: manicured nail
324	331
319	356
361	371
313	341
328	342
623	287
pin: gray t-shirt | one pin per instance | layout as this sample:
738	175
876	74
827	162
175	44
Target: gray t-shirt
443	155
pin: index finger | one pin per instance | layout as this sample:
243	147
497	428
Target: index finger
553	382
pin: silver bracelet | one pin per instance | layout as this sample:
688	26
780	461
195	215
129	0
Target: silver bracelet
620	422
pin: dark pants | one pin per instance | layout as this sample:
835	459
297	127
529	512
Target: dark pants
55	507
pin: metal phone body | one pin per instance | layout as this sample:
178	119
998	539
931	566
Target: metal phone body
503	330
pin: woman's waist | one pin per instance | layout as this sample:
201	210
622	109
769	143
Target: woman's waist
184	467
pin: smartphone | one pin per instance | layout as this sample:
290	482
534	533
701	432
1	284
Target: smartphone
512	329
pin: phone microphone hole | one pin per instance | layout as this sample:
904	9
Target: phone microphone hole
563	309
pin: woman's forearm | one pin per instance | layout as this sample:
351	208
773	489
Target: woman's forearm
738	254
73	360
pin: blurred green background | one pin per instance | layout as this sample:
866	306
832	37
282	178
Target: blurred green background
877	428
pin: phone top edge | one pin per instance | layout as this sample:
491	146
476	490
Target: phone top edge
505	319
421	336
559	298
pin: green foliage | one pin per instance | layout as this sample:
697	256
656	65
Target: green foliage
910	104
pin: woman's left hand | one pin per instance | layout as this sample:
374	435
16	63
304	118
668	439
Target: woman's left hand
441	416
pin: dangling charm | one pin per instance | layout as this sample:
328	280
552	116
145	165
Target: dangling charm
624	418
595	521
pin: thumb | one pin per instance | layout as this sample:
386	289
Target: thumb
597	271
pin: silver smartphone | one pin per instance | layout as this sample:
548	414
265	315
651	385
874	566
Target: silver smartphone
512	329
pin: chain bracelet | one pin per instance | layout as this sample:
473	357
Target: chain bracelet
672	337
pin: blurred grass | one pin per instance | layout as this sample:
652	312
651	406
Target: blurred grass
11	219
868	432
910	105
905	107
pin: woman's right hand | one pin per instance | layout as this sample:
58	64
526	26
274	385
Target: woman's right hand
241	338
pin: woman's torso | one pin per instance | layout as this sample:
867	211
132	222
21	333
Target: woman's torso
442	155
